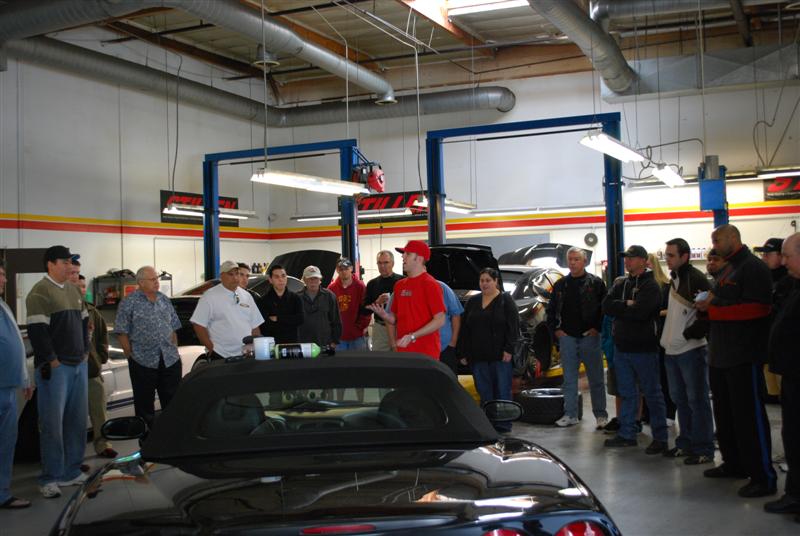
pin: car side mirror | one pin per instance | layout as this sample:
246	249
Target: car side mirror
122	428
502	411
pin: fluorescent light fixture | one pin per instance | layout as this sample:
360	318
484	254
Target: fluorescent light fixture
775	173
600	141
308	182
459	207
366	215
316	217
196	211
466	7
387	213
668	176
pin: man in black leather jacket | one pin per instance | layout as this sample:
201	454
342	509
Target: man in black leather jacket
575	319
635	301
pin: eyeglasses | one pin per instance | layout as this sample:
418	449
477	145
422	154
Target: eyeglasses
236	298
149	279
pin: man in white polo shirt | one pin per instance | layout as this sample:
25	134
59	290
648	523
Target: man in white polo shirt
226	314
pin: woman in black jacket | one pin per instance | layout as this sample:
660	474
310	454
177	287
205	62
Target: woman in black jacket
489	332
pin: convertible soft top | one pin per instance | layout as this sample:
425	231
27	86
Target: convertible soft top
422	404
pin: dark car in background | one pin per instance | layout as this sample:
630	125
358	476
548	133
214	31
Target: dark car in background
459	266
546	255
262	447
531	288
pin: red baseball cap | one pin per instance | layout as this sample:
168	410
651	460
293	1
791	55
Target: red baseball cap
417	246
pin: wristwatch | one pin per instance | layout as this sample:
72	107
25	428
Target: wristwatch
413	338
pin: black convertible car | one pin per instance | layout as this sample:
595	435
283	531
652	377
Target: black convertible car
289	447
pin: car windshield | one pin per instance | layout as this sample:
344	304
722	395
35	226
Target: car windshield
288	412
290	404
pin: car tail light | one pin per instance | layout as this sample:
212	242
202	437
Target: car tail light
338	529
581	528
503	532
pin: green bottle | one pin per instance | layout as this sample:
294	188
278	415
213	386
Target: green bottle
297	350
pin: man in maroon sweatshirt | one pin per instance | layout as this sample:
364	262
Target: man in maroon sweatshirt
349	293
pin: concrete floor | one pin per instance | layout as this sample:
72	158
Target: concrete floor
646	495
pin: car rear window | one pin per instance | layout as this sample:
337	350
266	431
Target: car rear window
286	412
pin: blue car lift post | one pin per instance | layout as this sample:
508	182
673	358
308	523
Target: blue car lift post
347	159
612	183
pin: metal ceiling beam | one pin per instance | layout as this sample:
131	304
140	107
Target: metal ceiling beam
435	11
742	22
183	48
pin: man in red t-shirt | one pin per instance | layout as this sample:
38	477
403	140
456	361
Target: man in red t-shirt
418	309
349	293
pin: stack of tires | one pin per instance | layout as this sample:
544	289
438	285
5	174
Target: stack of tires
544	406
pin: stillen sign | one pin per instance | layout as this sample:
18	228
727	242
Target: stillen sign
187	198
782	188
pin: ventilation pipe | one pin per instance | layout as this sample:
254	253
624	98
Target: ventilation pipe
602	10
595	43
36	17
55	54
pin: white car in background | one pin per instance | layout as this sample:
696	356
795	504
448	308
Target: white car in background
116	383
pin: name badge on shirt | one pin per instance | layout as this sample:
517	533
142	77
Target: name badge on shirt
405	292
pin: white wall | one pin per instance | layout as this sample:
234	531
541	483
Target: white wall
71	148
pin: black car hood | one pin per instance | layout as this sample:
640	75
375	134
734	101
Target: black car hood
295	262
432	486
459	265
529	255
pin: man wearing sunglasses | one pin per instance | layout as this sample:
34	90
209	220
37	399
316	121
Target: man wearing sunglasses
225	314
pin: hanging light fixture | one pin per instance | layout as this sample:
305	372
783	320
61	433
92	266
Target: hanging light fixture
311	183
600	141
450	205
366	215
778	173
668	176
197	211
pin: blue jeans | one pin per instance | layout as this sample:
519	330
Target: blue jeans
644	367
8	439
356	345
63	409
587	350
493	382
687	375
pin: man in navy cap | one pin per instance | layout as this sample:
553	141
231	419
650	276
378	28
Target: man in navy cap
635	301
58	328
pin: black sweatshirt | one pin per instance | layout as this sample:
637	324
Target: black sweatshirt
289	311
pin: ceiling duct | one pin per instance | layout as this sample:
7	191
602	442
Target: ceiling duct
602	10
108	69
594	42
36	17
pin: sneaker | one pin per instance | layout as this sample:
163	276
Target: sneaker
675	452
77	481
50	490
566	420
756	489
602	422
787	504
612	426
698	460
656	447
670	423
723	471
619	441
639	427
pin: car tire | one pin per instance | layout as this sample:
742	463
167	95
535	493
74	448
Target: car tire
544	406
27	448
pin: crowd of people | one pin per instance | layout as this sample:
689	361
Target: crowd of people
668	342
672	342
